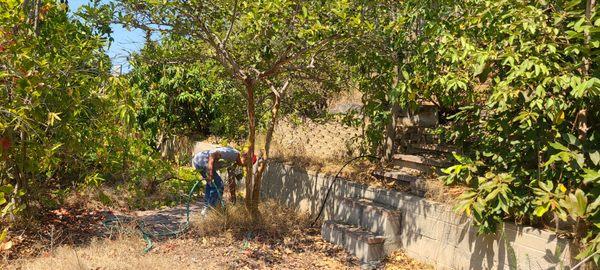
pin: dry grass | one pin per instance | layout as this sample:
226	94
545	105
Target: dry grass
437	191
222	252
276	222
225	239
399	261
121	253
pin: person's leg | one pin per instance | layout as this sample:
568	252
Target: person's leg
231	175
207	190
217	187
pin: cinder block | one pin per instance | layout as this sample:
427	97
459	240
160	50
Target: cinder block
332	234
347	211
429	231
372	217
366	246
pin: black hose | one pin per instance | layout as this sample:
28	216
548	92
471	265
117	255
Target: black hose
333	182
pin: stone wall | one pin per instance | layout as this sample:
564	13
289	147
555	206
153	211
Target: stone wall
431	232
306	139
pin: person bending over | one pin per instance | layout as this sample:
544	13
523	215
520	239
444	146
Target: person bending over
208	162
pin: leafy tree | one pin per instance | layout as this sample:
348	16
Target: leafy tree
258	43
535	150
64	121
524	79
180	97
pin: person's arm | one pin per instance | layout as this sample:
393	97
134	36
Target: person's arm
212	158
239	159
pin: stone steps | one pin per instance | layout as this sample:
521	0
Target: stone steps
430	148
366	246
371	230
397	175
366	229
423	164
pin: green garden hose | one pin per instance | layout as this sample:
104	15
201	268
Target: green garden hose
147	236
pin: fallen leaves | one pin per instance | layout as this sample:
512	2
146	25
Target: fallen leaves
6	245
400	261
62	226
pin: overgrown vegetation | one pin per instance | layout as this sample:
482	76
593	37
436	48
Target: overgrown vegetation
183	96
260	46
65	123
523	77
519	79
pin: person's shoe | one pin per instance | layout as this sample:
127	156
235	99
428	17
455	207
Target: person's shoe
204	211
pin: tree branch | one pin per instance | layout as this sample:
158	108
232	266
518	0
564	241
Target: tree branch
276	68
220	50
233	17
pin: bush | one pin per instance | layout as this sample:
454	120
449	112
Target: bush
65	122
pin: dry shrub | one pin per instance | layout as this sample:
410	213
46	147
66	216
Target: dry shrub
437	191
398	260
276	221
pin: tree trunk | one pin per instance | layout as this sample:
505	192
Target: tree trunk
390	129
268	138
249	201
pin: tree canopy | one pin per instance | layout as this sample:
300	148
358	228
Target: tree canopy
517	81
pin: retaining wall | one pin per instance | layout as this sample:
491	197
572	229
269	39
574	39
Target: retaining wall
430	231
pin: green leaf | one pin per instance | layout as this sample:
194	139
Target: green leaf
576	204
492	195
572	139
3	234
590	176
541	210
559	118
595	157
594	205
558	146
479	68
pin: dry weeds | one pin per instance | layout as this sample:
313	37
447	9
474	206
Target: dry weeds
226	239
276	222
399	261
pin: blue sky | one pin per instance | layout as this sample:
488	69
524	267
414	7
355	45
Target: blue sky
125	41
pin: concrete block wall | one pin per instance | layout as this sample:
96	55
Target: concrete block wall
307	139
430	231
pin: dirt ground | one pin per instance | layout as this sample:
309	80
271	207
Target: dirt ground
218	252
223	240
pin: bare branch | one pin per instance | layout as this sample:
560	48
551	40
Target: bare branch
233	17
220	50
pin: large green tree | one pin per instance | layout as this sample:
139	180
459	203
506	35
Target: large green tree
258	43
183	97
64	120
523	76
